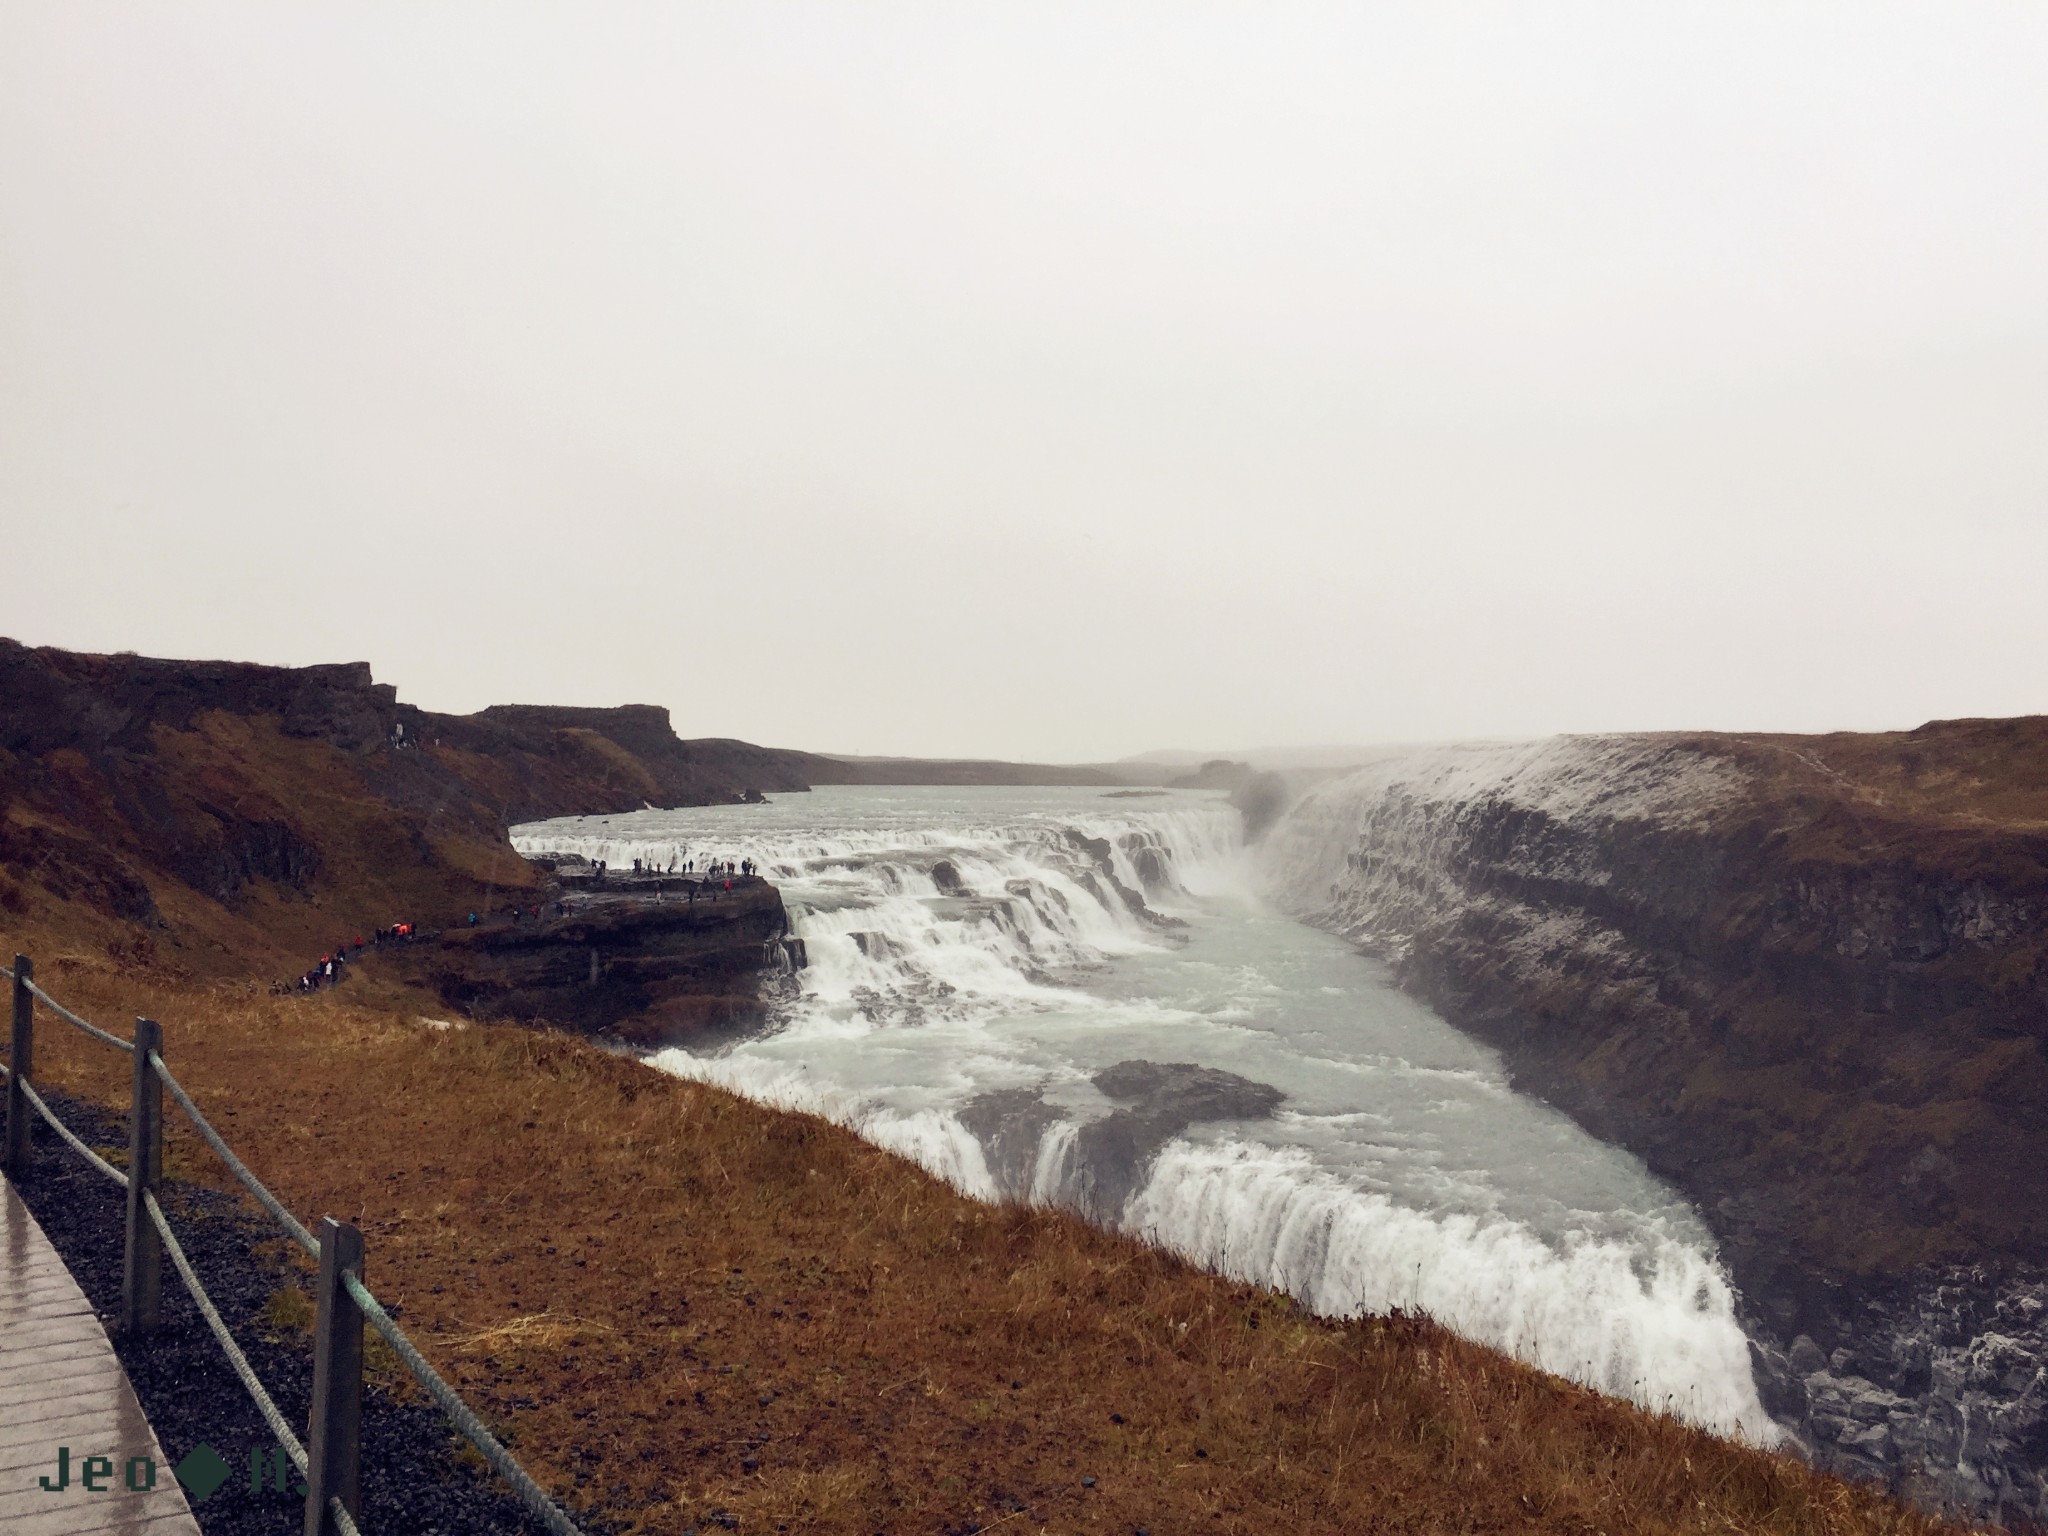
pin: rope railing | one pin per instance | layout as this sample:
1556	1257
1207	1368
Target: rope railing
459	1413
275	1421
36	1102
69	1017
265	1406
235	1165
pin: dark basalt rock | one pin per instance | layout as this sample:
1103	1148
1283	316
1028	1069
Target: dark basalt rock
1159	1101
1936	1385
1102	858
1010	1123
632	968
1179	1093
1112	1155
1150	864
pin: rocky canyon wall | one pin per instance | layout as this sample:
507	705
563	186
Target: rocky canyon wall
1806	979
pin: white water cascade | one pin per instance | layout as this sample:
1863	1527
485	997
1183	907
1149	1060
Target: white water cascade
1015	987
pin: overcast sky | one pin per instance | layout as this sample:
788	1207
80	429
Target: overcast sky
1040	380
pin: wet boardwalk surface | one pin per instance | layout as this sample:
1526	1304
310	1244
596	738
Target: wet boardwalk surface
61	1386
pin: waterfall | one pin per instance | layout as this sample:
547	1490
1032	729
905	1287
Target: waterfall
1079	1001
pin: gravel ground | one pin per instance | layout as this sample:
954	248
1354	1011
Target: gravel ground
413	1483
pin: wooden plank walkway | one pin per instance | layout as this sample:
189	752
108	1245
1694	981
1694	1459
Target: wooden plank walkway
60	1384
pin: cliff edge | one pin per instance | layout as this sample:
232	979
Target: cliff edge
1806	978
214	817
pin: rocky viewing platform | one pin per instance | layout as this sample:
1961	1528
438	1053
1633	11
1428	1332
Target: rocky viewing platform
641	959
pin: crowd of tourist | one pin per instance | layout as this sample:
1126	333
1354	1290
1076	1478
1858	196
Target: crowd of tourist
328	970
715	870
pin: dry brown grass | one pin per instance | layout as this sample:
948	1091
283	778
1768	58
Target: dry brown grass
672	1300
1953	773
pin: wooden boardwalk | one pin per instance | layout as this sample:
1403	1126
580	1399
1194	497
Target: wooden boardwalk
61	1385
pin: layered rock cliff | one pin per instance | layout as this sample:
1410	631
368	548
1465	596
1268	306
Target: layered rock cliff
634	967
213	816
1807	980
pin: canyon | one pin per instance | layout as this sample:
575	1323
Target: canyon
1806	979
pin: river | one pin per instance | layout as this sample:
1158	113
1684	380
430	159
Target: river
1086	999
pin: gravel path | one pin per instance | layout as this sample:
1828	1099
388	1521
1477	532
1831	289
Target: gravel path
413	1483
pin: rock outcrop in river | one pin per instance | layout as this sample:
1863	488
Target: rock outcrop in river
1807	980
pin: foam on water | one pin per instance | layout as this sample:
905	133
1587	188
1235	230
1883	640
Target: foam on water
1401	1171
1648	1320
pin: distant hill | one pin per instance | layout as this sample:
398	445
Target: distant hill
923	770
1269	759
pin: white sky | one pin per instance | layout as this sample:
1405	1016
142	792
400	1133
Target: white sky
1039	380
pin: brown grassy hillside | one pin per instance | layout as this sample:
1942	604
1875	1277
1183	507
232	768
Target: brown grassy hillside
1948	772
675	1301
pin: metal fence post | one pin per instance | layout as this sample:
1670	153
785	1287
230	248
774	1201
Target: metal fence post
335	1436
143	1263
19	1067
